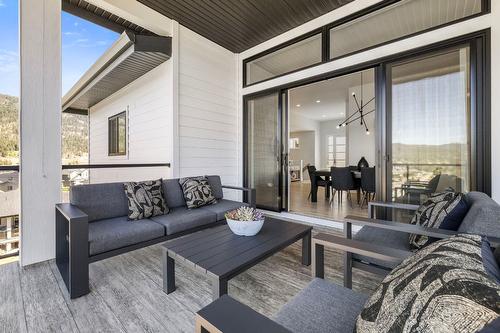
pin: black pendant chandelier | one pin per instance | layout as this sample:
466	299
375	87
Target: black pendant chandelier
360	113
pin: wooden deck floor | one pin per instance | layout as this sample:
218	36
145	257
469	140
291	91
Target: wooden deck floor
127	295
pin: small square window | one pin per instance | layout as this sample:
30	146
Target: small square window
117	134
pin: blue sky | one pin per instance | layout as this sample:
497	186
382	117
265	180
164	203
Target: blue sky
82	44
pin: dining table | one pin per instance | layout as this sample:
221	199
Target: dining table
326	173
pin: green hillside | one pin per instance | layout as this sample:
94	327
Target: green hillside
74	134
9	130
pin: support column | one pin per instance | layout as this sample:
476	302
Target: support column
40	130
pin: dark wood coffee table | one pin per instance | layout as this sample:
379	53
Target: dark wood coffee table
221	255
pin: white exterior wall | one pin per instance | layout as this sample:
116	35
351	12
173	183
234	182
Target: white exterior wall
491	20
207	109
148	102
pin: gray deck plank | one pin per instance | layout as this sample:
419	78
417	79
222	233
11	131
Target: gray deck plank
90	312
116	288
12	316
156	308
46	310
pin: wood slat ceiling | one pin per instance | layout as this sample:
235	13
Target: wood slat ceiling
100	16
238	25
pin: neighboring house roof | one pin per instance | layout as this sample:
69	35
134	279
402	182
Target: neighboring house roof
101	17
129	58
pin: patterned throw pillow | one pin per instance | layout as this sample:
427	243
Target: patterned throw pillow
145	199
441	210
197	192
441	288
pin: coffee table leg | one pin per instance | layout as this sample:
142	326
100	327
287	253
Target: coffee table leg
219	288
168	273
306	249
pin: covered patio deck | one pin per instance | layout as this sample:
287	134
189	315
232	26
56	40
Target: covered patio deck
126	293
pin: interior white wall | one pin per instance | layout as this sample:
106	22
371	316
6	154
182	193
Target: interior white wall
491	20
40	129
299	123
147	101
306	150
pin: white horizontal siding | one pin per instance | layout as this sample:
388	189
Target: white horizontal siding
150	128
208	119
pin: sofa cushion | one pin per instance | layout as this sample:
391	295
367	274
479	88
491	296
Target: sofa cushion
222	206
100	201
182	218
197	192
111	234
440	210
216	185
322	307
172	191
483	217
395	239
441	288
145	199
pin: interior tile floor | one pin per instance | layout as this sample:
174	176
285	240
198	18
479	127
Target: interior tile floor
299	203
126	293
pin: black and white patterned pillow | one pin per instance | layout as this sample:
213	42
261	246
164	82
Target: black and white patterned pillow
145	199
197	192
437	212
442	288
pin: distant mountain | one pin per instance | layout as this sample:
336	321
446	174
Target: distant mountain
452	153
74	134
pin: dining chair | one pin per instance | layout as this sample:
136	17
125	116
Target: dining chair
320	181
342	180
367	185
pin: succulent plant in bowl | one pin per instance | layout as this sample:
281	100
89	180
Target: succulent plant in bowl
245	221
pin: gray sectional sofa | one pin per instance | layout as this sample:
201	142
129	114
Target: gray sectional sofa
95	226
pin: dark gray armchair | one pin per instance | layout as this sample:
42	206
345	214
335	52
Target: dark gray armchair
483	218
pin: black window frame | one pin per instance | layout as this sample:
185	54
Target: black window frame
481	153
290	42
115	151
325	38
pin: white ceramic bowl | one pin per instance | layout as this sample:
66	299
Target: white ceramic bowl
245	228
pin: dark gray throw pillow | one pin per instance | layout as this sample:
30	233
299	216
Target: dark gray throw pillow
197	192
145	199
441	210
444	287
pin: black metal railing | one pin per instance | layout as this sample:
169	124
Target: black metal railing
111	166
9	167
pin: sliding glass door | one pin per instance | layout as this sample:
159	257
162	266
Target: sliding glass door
429	125
263	151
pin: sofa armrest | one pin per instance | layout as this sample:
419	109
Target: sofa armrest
71	213
72	248
392	205
251	197
230	316
404	227
351	246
